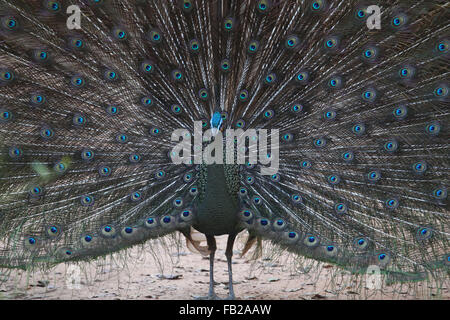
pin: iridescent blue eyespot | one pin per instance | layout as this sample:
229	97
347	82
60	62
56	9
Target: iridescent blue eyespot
178	202
374	176
253	47
302	77
391	145
297	108
46	133
400	112
225	65
87	154
5	115
399	21
78	120
77	81
15	152
292	42
334	179
424	233
275	177
35	191
9	23
441	91
359	129
112	110
160	174
305	164
369	95
6	75
134	158
135	196
228	24
270	78
340	208
203	94
104	171
440	193
122	138
420	167
119	34
391	203
329	115
433	128
87	200
176	75
320	142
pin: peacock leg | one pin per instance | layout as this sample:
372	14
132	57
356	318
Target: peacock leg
211	241
229	255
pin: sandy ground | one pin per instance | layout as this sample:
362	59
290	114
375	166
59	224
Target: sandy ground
184	275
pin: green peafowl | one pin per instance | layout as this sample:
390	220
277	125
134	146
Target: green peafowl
353	96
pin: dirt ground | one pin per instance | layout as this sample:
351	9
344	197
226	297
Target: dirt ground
184	275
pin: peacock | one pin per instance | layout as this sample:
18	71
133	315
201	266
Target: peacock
318	125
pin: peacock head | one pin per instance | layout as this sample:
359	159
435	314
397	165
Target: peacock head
216	123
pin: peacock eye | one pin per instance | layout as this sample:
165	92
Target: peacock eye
340	208
424	233
374	176
112	110
159	175
270	78
269	114
5	115
263	6
334	179
119	33
302	77
6	75
433	128
87	200
359	129
440	193
320	142
441	91
391	204
335	83
176	75
155	36
79	120
53	6
228	24
155	131
9	23
329	115
243	95
194	46
331	42
253	46
317	5
296	198
399	21
60	167
77	81
292	42
135	196
225	65
203	94
35	191
420	167
87	154
400	112
193	191
186	5
122	138
391	146
46	132
41	56
15	152
104	171
288	137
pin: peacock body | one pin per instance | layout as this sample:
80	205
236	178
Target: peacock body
87	116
